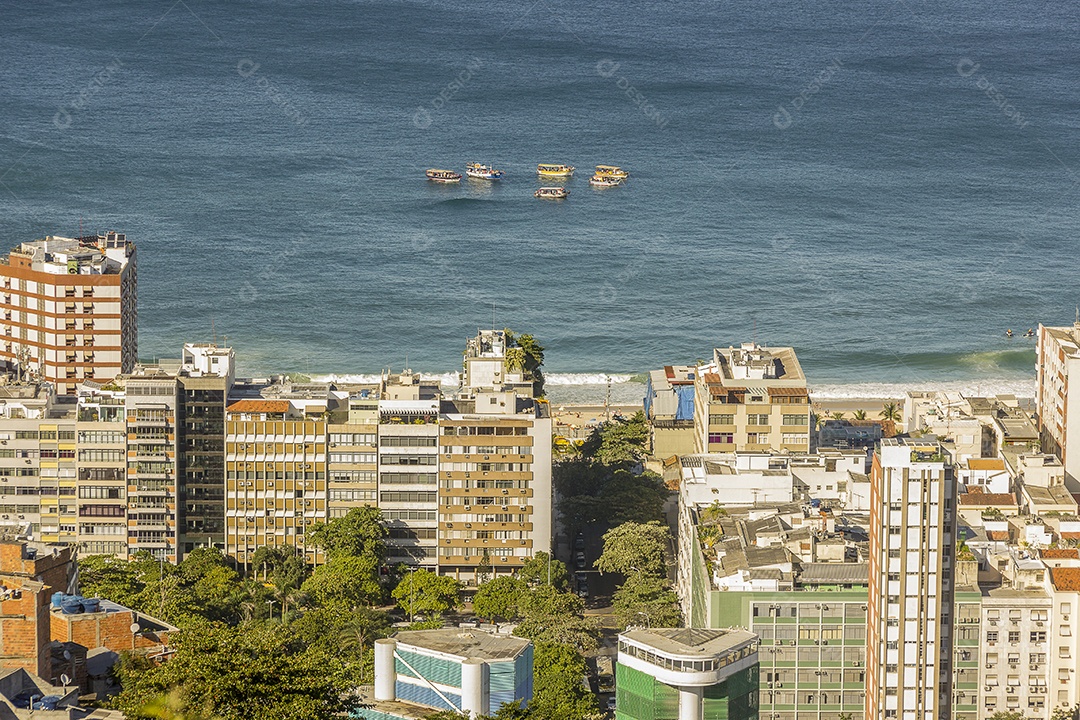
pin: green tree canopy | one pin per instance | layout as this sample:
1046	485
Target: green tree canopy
423	592
359	533
526	354
346	581
535	571
619	441
636	548
558	690
646	600
238	673
594	493
498	598
548	615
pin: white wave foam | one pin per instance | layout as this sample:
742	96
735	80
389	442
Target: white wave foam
453	379
972	388
448	379
586	378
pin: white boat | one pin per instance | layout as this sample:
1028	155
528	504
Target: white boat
483	172
605	181
551	193
612	171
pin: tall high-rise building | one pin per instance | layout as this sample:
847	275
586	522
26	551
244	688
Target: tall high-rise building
910	609
69	309
751	398
206	376
1058	363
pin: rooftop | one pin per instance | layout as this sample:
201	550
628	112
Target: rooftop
465	643
835	573
259	406
985	499
985	464
690	641
1065	579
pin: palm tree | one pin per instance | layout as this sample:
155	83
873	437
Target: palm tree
837	415
860	414
890	411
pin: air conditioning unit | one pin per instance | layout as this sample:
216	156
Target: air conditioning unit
986	688
857	663
1039	623
778	642
1033	667
1010	690
468	507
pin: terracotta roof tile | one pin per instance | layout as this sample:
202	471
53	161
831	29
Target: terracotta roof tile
1067	579
259	406
1060	554
1070	536
999	535
985	499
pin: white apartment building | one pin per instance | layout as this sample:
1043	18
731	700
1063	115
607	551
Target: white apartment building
1058	363
910	615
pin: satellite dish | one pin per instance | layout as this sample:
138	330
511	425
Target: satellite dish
134	628
65	680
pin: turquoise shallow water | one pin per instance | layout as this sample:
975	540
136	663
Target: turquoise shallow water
885	186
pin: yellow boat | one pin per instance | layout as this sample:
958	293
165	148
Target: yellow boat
611	171
554	170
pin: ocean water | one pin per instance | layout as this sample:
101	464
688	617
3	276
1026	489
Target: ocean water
885	186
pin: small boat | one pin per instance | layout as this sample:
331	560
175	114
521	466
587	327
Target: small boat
551	193
483	172
443	176
605	181
554	170
612	171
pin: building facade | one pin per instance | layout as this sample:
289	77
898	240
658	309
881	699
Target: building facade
751	399
910	608
1059	362
69	309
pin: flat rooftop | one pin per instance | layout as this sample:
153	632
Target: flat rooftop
465	643
690	641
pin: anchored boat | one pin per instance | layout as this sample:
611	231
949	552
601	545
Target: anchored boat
443	176
605	181
545	170
551	193
612	171
483	172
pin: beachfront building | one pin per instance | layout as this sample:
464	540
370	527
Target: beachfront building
153	483
1058	363
206	376
910	616
669	408
753	399
352	469
471	672
495	467
687	673
408	466
69	309
102	455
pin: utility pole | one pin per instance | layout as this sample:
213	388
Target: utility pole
607	401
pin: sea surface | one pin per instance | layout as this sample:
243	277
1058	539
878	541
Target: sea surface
886	186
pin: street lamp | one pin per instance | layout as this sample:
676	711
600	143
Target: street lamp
648	620
271	604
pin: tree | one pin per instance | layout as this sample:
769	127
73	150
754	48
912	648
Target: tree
619	441
239	673
1064	713
548	615
422	591
890	411
498	598
540	567
282	565
860	414
346	582
526	355
643	597
839	415
558	691
360	532
636	548
1007	715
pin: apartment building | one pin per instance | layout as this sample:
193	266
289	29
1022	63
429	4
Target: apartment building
206	376
102	498
353	471
1059	362
910	621
275	470
69	309
150	404
408	468
495	468
751	398
1016	672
